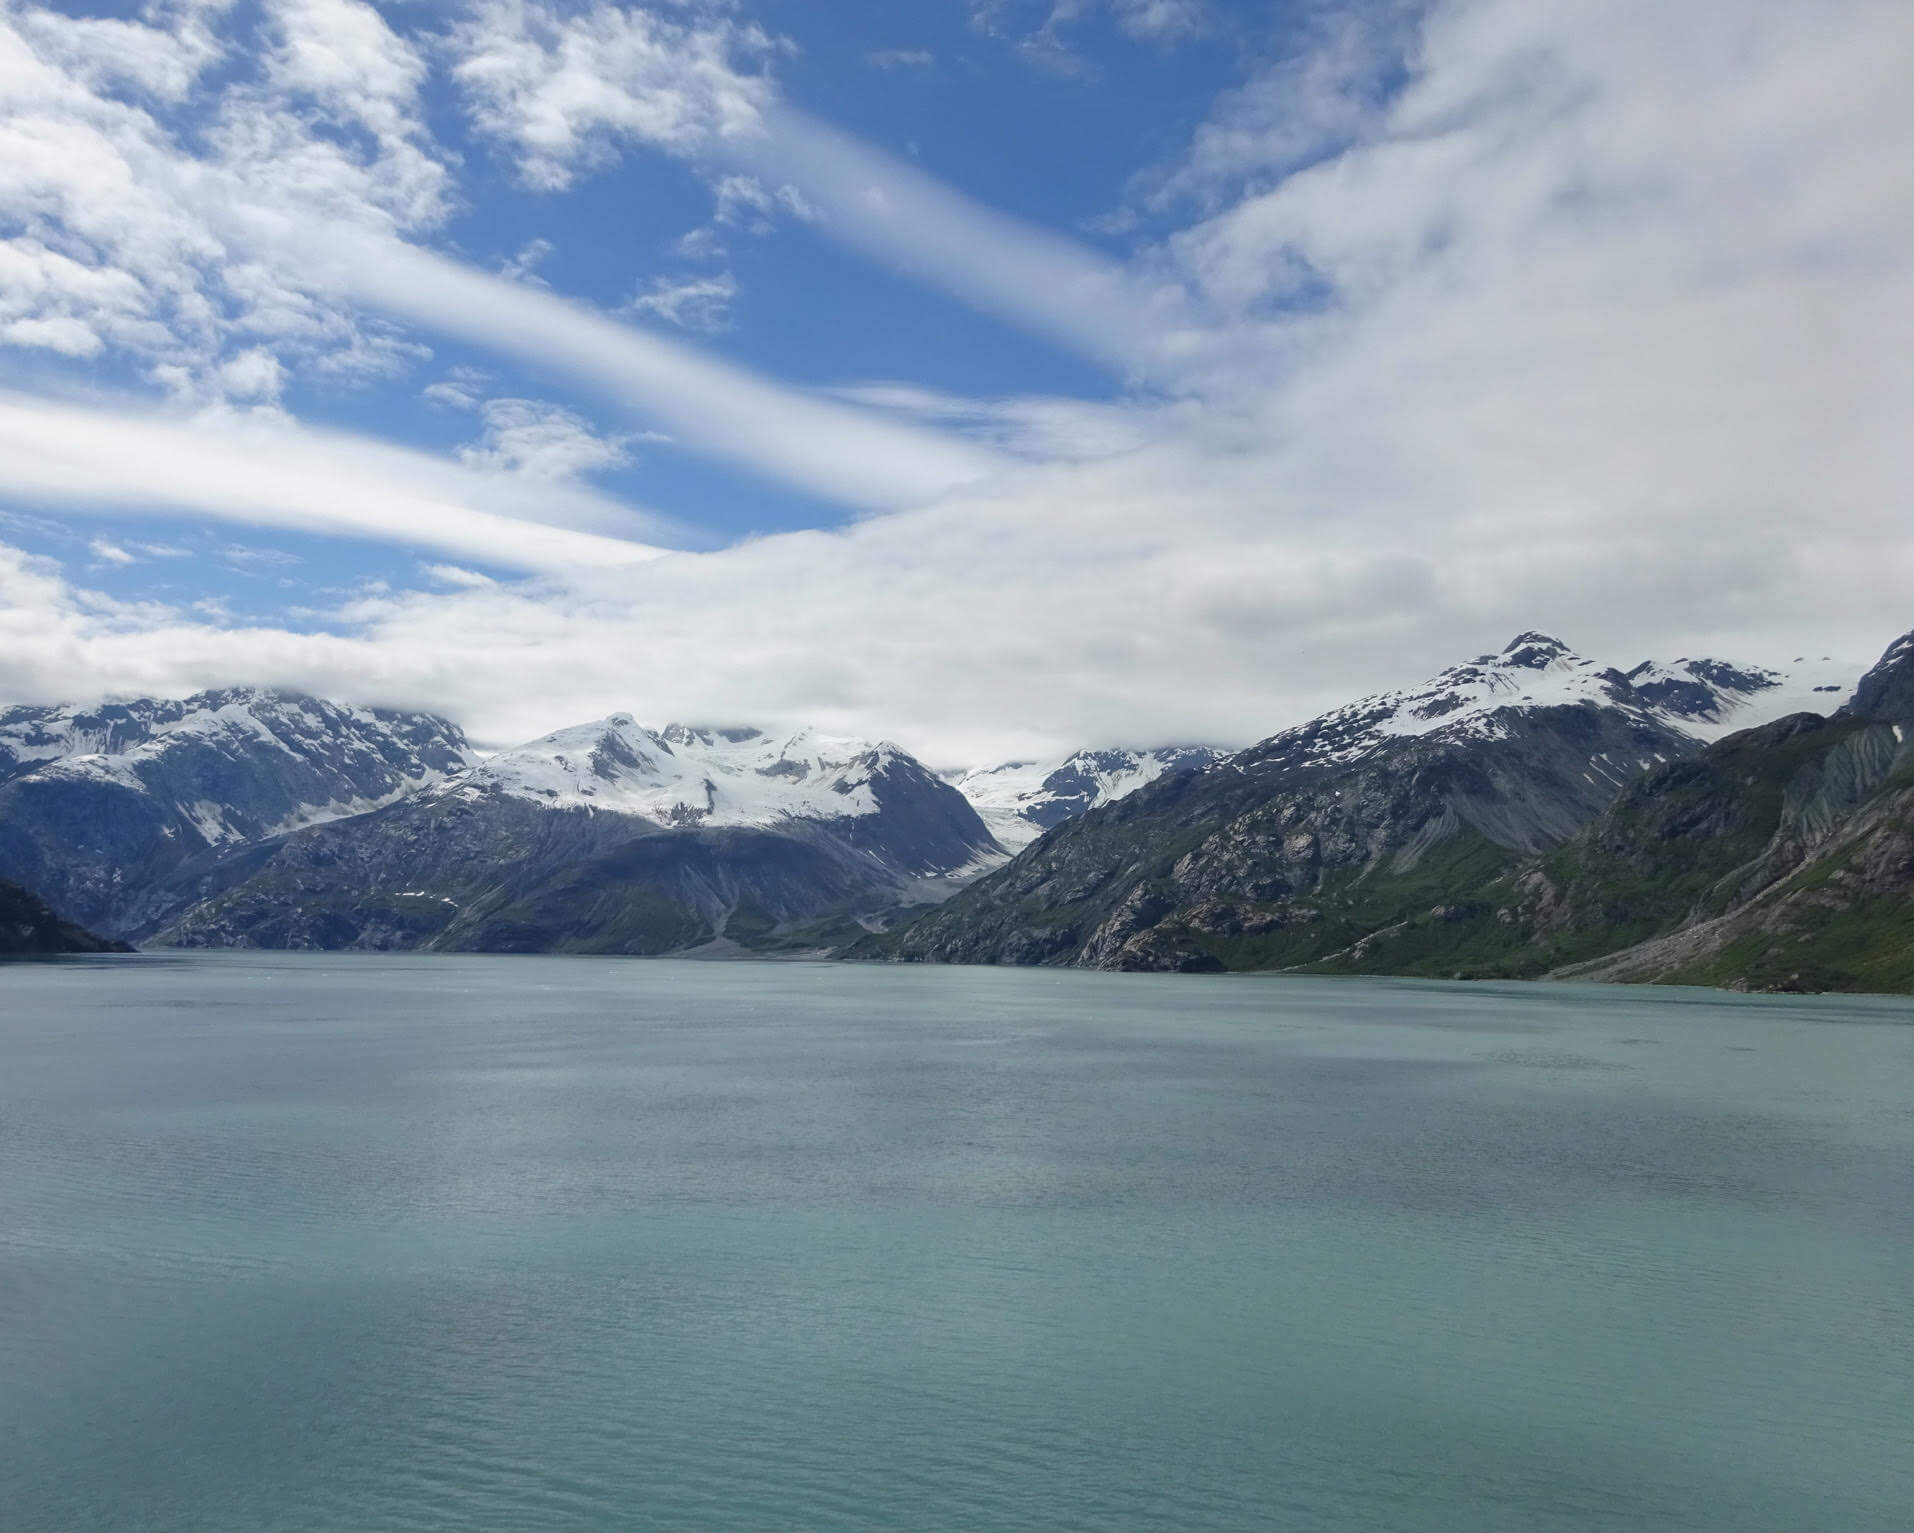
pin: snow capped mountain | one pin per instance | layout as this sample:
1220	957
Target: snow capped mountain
1323	837
1020	800
102	807
1702	699
1711	698
682	776
610	837
323	759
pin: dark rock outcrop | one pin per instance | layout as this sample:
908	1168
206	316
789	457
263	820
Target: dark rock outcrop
29	928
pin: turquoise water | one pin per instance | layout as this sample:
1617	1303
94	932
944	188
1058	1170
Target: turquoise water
381	1243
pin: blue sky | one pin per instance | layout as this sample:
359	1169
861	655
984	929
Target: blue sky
976	372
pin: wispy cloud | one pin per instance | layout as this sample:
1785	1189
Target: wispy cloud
693	303
458	575
1481	315
830	449
268	472
527	436
900	58
570	99
566	87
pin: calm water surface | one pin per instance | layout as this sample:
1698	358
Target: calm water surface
401	1243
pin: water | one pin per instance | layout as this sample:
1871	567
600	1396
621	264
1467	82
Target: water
396	1243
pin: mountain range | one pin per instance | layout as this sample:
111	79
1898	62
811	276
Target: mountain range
610	837
1528	812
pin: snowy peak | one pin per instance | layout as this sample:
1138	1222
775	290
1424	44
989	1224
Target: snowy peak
238	762
1535	652
1699	698
1709	698
1886	693
1019	800
1534	671
690	775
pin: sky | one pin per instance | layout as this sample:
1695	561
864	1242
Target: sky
992	376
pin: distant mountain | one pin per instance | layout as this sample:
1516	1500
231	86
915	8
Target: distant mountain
113	811
28	928
1020	800
1302	848
610	837
1527	812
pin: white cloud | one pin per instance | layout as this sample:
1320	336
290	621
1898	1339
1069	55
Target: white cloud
848	455
1044	32
745	202
523	267
452	395
254	374
159	62
289	223
1163	594
109	552
1046	429
900	58
565	87
458	575
1599	325
265	471
342	53
694	303
567	93
1136	321
116	236
1159	19
526	436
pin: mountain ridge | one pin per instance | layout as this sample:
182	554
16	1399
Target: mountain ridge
1305	846
1525	812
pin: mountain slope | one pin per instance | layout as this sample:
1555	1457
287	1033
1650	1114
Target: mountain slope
113	812
1436	832
1826	901
1305	844
1777	858
29	928
610	837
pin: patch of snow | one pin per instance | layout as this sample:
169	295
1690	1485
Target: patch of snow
1019	800
209	820
1808	684
681	776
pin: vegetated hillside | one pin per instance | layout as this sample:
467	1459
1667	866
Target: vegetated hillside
28	927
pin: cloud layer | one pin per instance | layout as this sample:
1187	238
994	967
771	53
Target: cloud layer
1592	316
